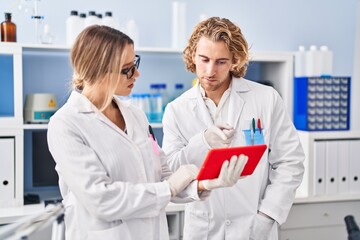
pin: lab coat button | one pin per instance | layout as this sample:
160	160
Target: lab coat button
227	222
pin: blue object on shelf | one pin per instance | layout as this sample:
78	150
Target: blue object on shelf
322	103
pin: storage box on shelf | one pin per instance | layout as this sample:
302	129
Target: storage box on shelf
322	103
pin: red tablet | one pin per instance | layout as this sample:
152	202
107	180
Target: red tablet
211	166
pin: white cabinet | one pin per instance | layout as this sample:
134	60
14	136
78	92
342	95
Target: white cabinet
319	220
7	160
11	170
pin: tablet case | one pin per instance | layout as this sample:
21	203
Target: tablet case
211	166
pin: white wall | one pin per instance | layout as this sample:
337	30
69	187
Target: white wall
268	25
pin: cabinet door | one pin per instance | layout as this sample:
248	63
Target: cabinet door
7	169
313	221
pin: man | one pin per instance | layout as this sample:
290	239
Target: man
222	110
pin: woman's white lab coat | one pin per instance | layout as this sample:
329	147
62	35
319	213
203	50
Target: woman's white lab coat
111	182
229	213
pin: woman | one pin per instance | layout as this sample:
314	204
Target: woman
113	178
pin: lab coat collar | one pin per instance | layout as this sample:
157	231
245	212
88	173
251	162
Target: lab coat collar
236	102
84	105
81	103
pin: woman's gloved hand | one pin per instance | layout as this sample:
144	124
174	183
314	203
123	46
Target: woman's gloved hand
229	174
181	178
262	227
219	136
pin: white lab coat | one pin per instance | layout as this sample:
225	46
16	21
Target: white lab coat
111	182
229	213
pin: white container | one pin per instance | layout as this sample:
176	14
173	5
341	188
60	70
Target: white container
300	62
109	21
132	31
178	25
313	62
326	61
73	27
91	19
82	20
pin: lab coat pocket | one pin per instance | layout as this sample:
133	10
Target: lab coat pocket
120	231
198	224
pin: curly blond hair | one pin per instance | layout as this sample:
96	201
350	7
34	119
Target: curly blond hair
219	29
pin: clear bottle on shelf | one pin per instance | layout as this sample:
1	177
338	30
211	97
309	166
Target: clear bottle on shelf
179	89
8	29
164	94
46	37
156	108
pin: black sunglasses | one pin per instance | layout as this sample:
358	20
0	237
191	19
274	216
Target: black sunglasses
129	72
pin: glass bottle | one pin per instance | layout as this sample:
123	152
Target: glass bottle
8	29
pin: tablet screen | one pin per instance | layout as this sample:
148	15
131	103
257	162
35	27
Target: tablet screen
211	166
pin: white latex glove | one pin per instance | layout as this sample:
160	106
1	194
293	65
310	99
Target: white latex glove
219	136
181	178
261	228
229	174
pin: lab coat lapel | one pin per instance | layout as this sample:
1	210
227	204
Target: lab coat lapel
236	102
199	109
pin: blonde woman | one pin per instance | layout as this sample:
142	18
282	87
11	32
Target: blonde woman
114	179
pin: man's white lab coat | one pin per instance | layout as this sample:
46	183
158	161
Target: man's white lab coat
229	213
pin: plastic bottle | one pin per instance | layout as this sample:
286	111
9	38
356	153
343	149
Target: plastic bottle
91	19
73	27
313	62
352	228
133	31
8	29
326	61
178	34
300	62
156	111
82	20
164	95
179	89
109	21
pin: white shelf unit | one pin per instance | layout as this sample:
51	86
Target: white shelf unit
311	182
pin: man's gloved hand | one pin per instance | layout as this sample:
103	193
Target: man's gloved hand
229	174
262	227
219	136
181	178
